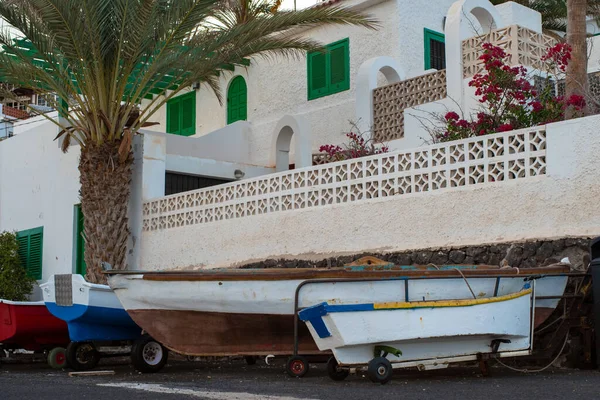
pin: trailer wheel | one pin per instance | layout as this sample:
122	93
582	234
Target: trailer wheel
250	360
57	358
380	370
82	356
147	355
335	372
297	366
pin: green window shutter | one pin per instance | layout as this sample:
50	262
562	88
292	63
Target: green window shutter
34	267
237	100
434	49
23	251
329	72
31	251
339	67
173	115
317	75
80	267
188	114
181	115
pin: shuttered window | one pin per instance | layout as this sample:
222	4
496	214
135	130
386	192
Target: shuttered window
329	71
237	100
435	50
30	251
181	115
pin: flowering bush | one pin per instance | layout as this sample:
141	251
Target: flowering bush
357	147
509	100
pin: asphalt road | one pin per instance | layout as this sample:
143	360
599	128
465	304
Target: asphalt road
235	380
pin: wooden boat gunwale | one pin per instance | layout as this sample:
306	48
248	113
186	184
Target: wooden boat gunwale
266	274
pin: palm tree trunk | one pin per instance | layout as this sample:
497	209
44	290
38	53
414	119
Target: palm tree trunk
576	80
104	202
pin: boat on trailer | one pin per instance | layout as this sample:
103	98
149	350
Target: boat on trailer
379	337
252	312
29	325
98	324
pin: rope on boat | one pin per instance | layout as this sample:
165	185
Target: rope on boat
467	282
561	318
525	370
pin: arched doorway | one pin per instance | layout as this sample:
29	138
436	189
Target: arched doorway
282	149
237	100
287	129
366	81
465	19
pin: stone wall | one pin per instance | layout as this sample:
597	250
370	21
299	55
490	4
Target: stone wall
518	254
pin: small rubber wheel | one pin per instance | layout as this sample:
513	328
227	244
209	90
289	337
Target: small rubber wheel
57	358
82	356
335	372
297	366
250	360
380	370
147	355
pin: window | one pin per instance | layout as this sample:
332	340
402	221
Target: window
329	71
435	50
178	183
79	240
30	251
46	100
237	100
181	115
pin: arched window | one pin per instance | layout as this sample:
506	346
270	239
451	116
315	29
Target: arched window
237	100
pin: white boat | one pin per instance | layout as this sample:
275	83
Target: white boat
252	312
426	334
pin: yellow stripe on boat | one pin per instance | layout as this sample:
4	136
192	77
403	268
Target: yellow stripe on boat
450	303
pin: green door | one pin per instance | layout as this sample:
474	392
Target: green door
79	242
237	100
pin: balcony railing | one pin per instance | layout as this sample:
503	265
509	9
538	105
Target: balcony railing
488	159
524	46
389	102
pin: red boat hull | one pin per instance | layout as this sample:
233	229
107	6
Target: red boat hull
30	326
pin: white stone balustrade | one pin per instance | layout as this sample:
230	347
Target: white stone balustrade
477	161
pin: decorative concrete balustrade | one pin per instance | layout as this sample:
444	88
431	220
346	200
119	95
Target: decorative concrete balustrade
524	46
389	102
454	165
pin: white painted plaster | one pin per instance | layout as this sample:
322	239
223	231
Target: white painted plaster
291	128
39	186
367	80
516	14
460	27
556	205
594	54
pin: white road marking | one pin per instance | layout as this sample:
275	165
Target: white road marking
156	388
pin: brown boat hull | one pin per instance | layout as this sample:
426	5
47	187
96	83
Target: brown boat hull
224	334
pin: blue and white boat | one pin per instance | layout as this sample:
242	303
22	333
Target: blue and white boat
93	312
99	325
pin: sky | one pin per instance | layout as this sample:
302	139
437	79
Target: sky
289	4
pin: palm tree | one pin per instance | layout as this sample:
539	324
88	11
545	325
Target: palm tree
106	56
576	81
240	11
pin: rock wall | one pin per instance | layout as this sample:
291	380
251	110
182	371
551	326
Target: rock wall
518	254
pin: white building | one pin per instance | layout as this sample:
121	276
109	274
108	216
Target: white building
277	115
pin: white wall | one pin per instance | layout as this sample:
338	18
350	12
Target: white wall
279	87
39	186
562	203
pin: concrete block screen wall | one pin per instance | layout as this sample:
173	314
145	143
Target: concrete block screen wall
529	184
